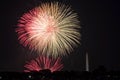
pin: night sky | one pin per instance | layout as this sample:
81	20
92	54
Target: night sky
100	35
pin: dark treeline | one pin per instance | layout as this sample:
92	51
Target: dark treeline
97	74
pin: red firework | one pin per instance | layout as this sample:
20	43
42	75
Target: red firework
41	63
51	28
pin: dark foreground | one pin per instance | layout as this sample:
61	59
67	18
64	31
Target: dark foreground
61	75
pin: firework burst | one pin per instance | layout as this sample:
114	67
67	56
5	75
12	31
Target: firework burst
51	28
41	63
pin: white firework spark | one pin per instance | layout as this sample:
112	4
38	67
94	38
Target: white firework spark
51	29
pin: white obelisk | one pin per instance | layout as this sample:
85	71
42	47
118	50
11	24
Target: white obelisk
87	62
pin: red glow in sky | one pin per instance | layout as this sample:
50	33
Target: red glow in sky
41	63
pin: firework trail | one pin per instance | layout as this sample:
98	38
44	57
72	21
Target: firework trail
51	29
41	63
